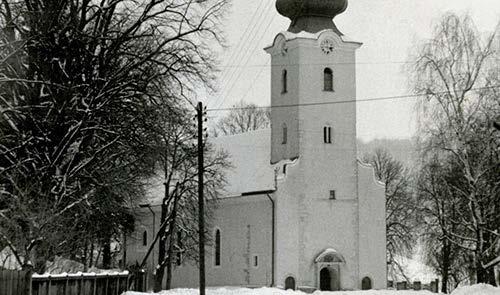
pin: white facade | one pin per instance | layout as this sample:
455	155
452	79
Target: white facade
328	210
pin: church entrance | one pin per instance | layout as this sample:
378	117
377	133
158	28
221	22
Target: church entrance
325	280
328	266
329	279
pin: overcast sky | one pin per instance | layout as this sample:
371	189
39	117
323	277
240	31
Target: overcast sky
389	29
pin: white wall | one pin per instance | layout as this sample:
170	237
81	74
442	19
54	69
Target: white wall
308	222
372	230
245	225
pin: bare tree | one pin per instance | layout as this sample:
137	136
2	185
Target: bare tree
79	79
439	207
177	236
242	118
458	70
400	207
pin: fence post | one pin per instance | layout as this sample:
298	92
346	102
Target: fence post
28	281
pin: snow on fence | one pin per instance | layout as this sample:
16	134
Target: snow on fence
82	284
15	282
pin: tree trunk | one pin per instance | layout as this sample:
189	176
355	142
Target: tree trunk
91	260
169	261
106	253
446	266
170	253
85	256
160	269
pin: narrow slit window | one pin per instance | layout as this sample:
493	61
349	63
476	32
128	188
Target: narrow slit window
145	238
284	81
285	134
217	248
327	134
328	79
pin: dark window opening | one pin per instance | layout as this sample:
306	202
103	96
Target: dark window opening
284	81
289	283
366	283
328	80
217	247
145	238
256	261
327	134
285	134
332	195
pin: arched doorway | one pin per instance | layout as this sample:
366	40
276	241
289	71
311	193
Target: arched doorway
328	267
325	280
366	283
289	283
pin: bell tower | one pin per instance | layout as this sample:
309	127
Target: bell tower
325	201
312	77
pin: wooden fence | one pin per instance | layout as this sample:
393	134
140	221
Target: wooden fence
14	282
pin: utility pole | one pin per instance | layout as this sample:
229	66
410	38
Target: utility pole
201	221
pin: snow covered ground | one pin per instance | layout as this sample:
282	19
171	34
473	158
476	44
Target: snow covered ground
469	290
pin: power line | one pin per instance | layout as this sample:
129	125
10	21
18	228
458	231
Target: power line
247	57
315	64
345	101
244	36
240	54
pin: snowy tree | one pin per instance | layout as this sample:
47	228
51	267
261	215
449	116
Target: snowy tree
458	71
400	207
242	118
177	237
79	81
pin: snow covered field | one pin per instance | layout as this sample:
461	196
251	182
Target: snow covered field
469	290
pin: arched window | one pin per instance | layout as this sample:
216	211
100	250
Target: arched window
217	248
145	238
284	135
327	134
284	81
366	283
289	283
328	79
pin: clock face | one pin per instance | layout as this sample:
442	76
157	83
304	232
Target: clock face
327	46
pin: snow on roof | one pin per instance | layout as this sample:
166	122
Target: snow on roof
250	155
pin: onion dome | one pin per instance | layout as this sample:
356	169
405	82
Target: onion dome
311	15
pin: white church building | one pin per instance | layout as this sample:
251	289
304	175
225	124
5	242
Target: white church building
301	210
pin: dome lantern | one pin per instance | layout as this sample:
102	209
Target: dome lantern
311	15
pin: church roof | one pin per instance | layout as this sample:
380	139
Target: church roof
250	155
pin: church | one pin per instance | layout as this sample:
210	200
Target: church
301	211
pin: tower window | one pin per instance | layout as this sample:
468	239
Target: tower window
145	238
327	134
217	248
332	195
285	134
255	261
328	79
284	81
